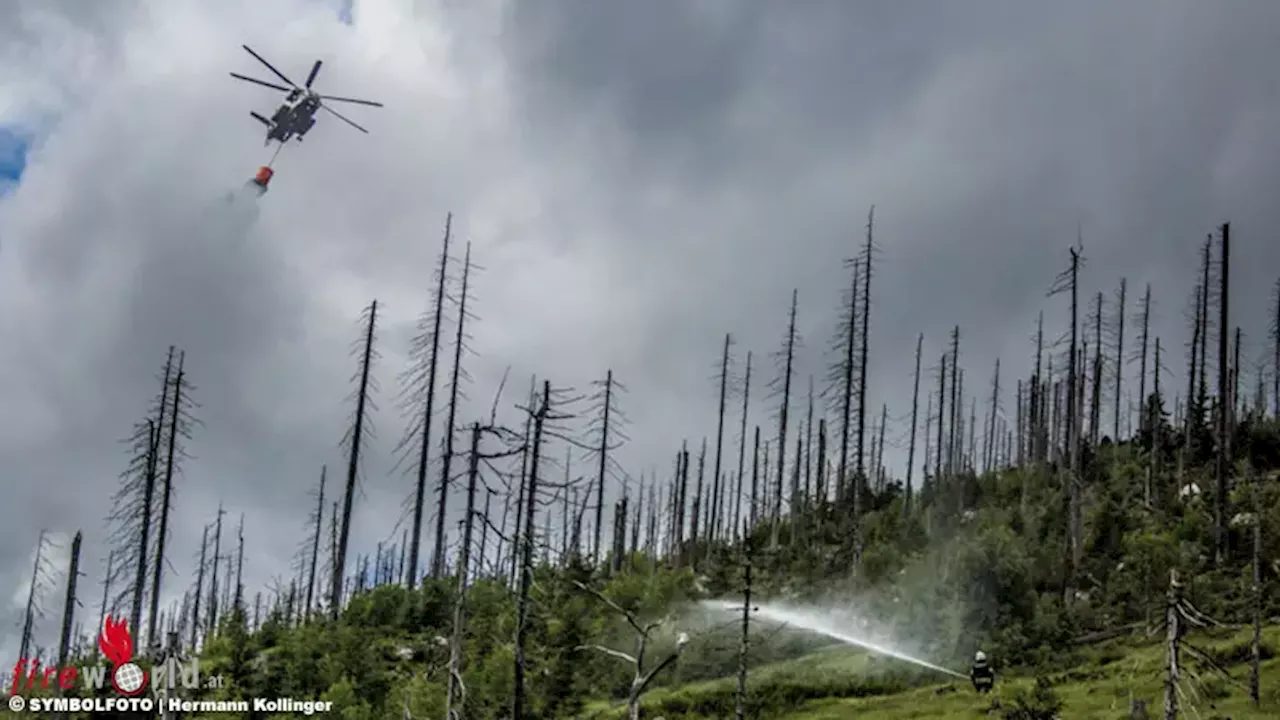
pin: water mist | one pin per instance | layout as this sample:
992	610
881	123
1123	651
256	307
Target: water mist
826	623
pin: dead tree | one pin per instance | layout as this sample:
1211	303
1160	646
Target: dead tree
1069	282
360	430
642	678
1180	678
1195	411
808	448
938	473
104	608
754	504
455	697
418	397
679	498
742	445
455	389
69	605
237	600
134	503
1275	360
841	386
989	449
151	455
878	467
608	428
331	557
1236	404
180	423
522	483
540	417
42	573
1095	401
820	481
1156	426
1119	338
317	529
714	516
957	397
1222	457
781	386
213	579
867	259
696	507
484	534
456	691
195	609
1144	344
1173	640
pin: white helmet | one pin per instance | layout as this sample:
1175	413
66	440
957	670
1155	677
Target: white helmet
980	657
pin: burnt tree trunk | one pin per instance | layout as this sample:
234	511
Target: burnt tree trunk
315	540
1223	458
717	488
860	475
526	562
456	694
166	497
428	410
789	348
437	558
1144	342
846	386
195	600
69	605
604	464
742	447
353	462
1120	300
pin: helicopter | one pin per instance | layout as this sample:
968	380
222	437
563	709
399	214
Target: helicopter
296	115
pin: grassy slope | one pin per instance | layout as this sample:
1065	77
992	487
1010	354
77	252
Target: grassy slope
1100	687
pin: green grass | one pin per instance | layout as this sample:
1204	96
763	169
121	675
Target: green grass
843	683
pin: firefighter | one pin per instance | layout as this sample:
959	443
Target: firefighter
983	677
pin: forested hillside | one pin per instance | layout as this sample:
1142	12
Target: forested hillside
1033	518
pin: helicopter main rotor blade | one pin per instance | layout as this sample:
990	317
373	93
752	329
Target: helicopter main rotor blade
351	100
263	83
270	67
315	70
336	114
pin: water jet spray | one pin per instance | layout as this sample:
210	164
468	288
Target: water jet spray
809	622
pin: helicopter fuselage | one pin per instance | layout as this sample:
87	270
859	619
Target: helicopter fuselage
294	117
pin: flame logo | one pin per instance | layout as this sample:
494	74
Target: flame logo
115	642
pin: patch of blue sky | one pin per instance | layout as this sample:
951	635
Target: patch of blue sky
345	8
13	157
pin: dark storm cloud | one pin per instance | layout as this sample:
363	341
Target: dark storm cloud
638	178
984	132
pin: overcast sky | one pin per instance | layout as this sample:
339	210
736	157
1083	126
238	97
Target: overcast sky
637	178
